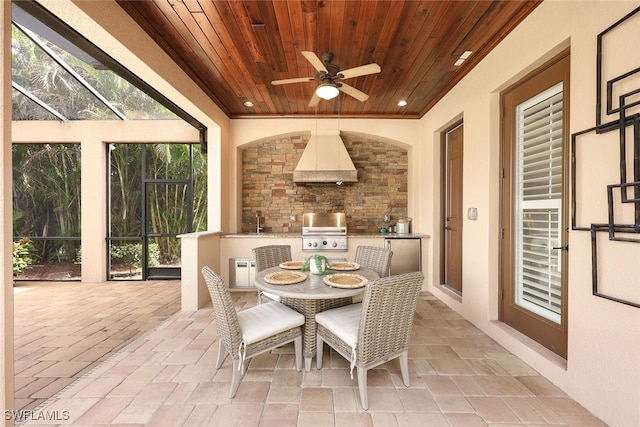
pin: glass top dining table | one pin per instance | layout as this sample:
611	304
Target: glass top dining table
309	297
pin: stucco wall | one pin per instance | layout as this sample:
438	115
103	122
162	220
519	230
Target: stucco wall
6	207
602	371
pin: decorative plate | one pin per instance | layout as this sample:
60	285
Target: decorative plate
292	265
344	265
285	277
345	280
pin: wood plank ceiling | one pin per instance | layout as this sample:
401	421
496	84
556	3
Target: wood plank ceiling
233	49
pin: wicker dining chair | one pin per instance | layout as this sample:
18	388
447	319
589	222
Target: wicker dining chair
375	331
374	257
251	331
267	257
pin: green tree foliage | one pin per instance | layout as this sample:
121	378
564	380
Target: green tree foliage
21	258
168	204
35	70
47	176
130	255
46	197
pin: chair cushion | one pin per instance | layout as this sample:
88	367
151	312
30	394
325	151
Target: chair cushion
344	322
265	320
271	296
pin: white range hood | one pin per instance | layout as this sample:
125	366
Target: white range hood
325	160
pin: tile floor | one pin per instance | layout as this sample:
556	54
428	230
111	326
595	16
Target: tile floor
166	376
64	329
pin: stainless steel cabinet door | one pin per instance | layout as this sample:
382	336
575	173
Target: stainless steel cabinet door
407	255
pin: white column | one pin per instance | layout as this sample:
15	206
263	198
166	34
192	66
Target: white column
6	214
94	208
217	218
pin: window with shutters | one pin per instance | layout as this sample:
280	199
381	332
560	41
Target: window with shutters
539	202
534	219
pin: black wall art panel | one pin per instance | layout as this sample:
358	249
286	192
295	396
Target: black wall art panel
612	147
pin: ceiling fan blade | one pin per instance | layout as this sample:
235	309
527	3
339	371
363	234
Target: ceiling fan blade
296	80
350	90
315	99
314	60
362	70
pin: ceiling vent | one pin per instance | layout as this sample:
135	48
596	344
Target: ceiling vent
325	160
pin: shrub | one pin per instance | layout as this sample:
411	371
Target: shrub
21	255
131	254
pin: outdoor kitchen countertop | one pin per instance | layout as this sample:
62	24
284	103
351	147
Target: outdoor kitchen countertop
263	235
392	235
363	235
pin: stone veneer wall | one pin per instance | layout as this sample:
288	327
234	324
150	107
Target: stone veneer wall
268	187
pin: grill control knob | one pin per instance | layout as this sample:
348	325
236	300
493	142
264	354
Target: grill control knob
324	242
315	244
335	244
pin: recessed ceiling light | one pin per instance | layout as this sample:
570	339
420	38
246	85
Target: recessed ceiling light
248	104
464	56
402	103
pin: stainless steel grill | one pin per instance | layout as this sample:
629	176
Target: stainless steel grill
324	232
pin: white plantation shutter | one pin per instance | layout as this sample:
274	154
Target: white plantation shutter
539	203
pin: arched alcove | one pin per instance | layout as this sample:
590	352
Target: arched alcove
268	187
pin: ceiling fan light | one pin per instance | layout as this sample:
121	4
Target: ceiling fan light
327	91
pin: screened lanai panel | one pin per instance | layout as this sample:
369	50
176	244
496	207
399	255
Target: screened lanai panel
156	192
78	88
23	108
130	165
46	211
39	73
167	161
125	190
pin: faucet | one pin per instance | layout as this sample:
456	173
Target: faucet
258	215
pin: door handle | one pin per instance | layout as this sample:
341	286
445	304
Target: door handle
564	248
447	228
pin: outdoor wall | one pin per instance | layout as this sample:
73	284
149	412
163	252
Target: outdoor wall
6	215
602	371
399	135
268	187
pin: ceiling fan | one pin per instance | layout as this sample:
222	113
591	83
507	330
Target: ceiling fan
331	77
